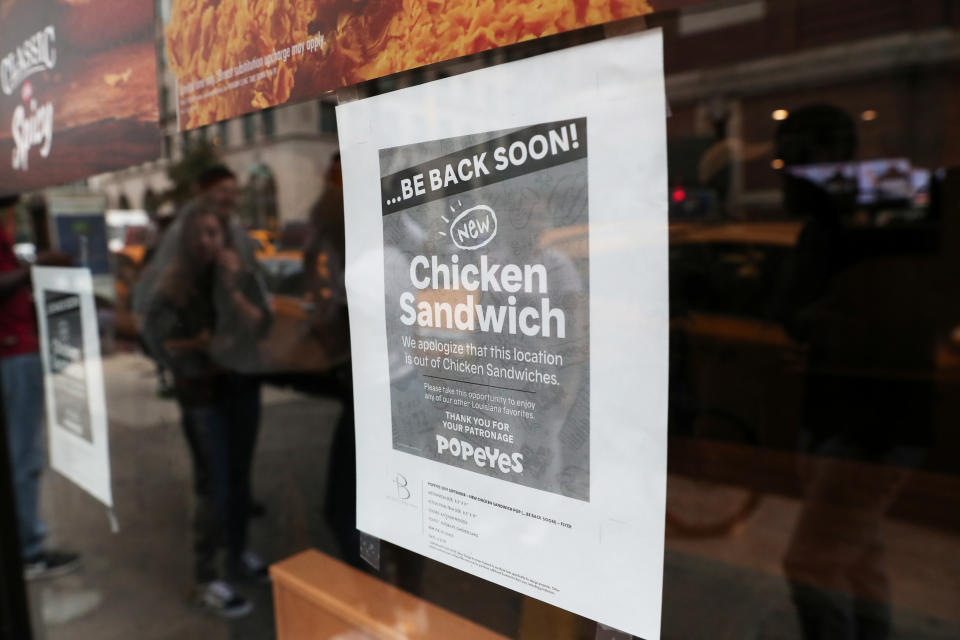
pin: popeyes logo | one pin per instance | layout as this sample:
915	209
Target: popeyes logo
32	124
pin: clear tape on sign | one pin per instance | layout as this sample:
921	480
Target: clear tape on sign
609	633
114	523
370	550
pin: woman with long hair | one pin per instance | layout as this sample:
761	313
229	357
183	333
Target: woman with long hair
205	307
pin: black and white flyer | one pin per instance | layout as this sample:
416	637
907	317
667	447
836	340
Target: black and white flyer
493	367
73	378
64	338
507	282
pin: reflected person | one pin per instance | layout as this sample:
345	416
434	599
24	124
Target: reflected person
856	297
204	284
324	265
21	385
216	186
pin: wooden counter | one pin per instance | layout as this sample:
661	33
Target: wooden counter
316	597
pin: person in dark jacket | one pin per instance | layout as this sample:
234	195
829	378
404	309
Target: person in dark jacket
858	297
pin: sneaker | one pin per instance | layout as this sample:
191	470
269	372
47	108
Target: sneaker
252	567
220	598
50	564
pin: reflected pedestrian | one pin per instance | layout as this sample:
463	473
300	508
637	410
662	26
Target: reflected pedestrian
21	378
855	300
216	186
205	308
324	265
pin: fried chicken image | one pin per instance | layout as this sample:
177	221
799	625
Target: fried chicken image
361	40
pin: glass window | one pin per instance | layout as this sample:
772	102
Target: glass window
249	126
813	476
268	122
222	138
328	117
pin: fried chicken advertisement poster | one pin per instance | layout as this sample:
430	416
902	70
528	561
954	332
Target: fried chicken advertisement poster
235	56
78	89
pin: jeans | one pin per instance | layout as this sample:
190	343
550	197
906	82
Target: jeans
222	437
239	397
22	379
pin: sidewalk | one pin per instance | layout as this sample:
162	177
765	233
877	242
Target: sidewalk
141	577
